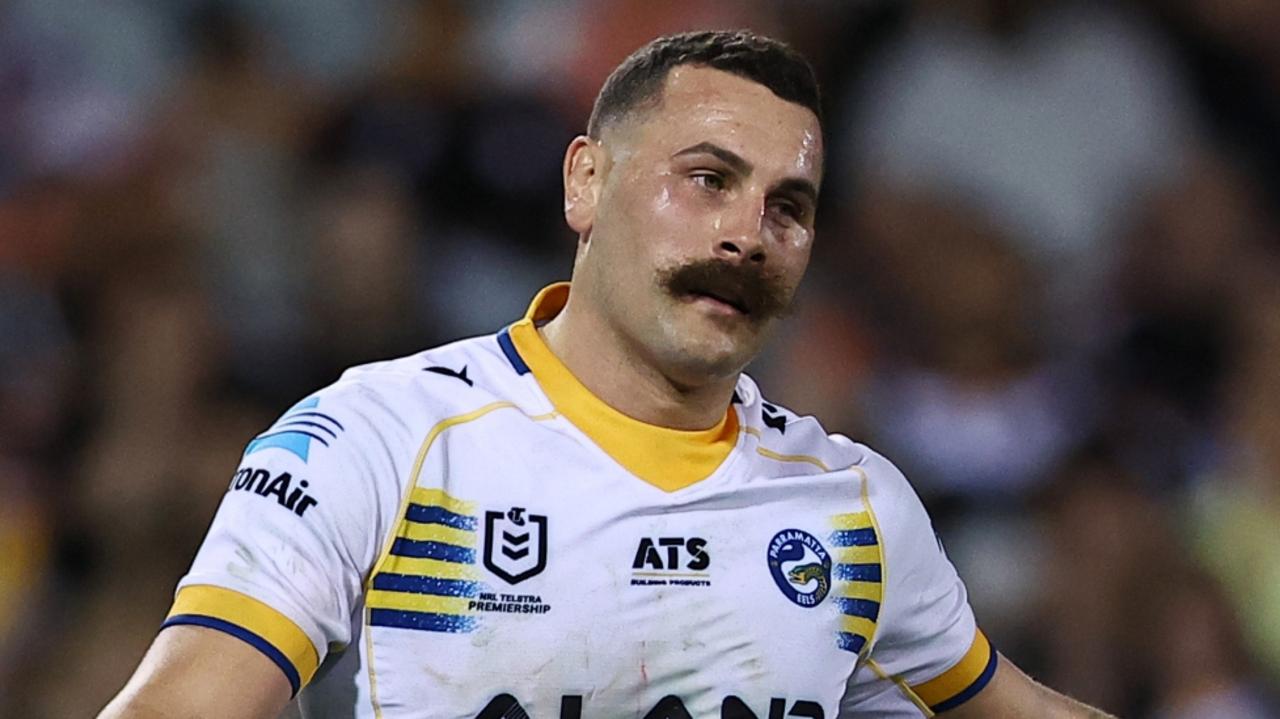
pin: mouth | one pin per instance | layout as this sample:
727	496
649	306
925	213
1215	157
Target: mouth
721	300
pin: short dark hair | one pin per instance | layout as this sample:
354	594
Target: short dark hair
640	78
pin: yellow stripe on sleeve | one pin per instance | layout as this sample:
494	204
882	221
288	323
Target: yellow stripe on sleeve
438	533
409	602
959	677
438	498
867	554
435	568
244	611
861	590
857	625
853	520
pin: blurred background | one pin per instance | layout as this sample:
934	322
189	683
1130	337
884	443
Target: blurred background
1047	285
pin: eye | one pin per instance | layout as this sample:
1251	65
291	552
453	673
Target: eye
709	180
788	209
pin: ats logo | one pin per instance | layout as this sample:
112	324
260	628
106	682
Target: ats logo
671	561
287	495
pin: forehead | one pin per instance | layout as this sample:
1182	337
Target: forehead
701	104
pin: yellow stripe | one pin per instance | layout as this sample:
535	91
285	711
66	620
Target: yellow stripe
438	497
409	602
245	611
438	533
857	625
793	458
430	496
960	677
435	568
860	590
902	686
869	554
884	565
854	520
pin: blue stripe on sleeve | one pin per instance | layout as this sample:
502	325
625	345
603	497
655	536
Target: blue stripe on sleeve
972	690
239	632
859	607
426	621
854	537
851	642
439	515
858	572
426	585
433	550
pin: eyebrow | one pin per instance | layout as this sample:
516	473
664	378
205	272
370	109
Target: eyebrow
742	166
728	157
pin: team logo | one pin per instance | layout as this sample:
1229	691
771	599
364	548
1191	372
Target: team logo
801	567
515	544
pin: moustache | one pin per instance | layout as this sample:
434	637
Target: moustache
758	294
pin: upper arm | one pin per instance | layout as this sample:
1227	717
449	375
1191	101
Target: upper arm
201	673
1012	695
280	575
928	655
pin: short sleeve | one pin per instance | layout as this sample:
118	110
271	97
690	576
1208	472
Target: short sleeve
283	562
928	655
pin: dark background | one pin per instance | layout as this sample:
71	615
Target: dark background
1045	286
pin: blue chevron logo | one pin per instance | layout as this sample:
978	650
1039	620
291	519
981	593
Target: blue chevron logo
297	429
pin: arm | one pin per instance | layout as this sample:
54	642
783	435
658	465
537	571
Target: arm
201	673
1013	695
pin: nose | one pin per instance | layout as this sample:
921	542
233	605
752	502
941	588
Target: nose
740	236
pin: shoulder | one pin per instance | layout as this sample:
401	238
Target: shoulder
778	430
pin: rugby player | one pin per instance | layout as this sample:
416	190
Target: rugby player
594	512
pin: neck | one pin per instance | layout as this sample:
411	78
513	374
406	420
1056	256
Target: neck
605	364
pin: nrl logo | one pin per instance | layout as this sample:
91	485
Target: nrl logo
515	544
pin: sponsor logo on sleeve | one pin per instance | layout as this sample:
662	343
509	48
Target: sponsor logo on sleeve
296	430
288	492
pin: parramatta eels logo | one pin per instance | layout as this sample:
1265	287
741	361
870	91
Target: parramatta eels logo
801	567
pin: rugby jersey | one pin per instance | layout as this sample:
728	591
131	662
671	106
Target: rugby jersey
469	532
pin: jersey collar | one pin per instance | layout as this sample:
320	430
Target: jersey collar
670	459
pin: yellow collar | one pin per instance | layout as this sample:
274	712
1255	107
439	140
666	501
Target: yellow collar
669	459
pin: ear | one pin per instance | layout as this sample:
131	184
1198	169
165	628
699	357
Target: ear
583	177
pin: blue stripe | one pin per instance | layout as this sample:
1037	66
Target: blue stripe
854	537
239	632
291	414
425	585
292	432
858	572
851	642
426	621
305	423
972	690
509	349
439	515
433	550
859	607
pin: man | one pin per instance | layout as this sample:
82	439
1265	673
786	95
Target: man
593	513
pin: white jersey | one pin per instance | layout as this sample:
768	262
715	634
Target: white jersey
469	532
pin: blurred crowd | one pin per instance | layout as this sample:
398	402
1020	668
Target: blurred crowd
1047	285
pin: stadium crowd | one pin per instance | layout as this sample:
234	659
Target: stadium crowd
1047	285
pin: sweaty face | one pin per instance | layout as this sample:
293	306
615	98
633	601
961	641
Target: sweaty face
704	222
